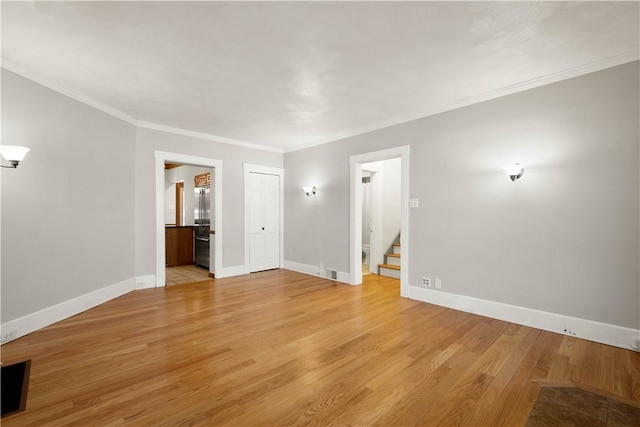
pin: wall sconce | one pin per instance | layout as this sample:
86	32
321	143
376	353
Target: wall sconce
514	171
310	191
13	154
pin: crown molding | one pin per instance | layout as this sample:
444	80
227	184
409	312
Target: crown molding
206	136
21	71
590	67
18	69
569	73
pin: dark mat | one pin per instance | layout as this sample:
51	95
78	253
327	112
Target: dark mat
557	406
15	382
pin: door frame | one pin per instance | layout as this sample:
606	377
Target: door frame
355	212
267	170
215	262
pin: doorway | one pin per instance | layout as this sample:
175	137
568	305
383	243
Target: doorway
381	216
372	215
215	262
188	223
355	208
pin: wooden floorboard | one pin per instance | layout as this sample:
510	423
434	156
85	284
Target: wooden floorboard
283	348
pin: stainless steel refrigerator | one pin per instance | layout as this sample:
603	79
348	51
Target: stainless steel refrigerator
202	219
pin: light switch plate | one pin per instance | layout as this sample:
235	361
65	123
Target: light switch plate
413	203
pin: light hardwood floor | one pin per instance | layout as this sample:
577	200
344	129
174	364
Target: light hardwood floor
185	274
279	347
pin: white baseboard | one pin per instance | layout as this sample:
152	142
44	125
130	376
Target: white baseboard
236	270
145	282
314	270
32	322
301	268
618	336
343	277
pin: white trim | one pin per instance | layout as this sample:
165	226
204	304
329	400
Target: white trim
618	336
145	282
314	270
311	270
355	205
32	322
267	170
161	157
591	67
355	223
236	270
580	70
206	136
341	277
15	68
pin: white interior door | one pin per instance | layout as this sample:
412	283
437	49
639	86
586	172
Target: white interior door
272	221
264	221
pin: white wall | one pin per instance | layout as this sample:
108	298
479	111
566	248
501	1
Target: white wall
147	142
562	239
170	202
317	228
186	174
391	221
366	210
68	209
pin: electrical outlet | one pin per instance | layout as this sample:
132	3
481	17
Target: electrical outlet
569	332
438	283
426	282
9	336
139	284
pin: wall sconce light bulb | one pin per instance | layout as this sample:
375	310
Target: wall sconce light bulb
14	154
310	191
514	171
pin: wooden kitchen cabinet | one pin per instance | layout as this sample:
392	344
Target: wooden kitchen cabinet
178	246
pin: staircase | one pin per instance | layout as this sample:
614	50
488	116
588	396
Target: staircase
391	267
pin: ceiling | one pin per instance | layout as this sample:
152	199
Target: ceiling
287	75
